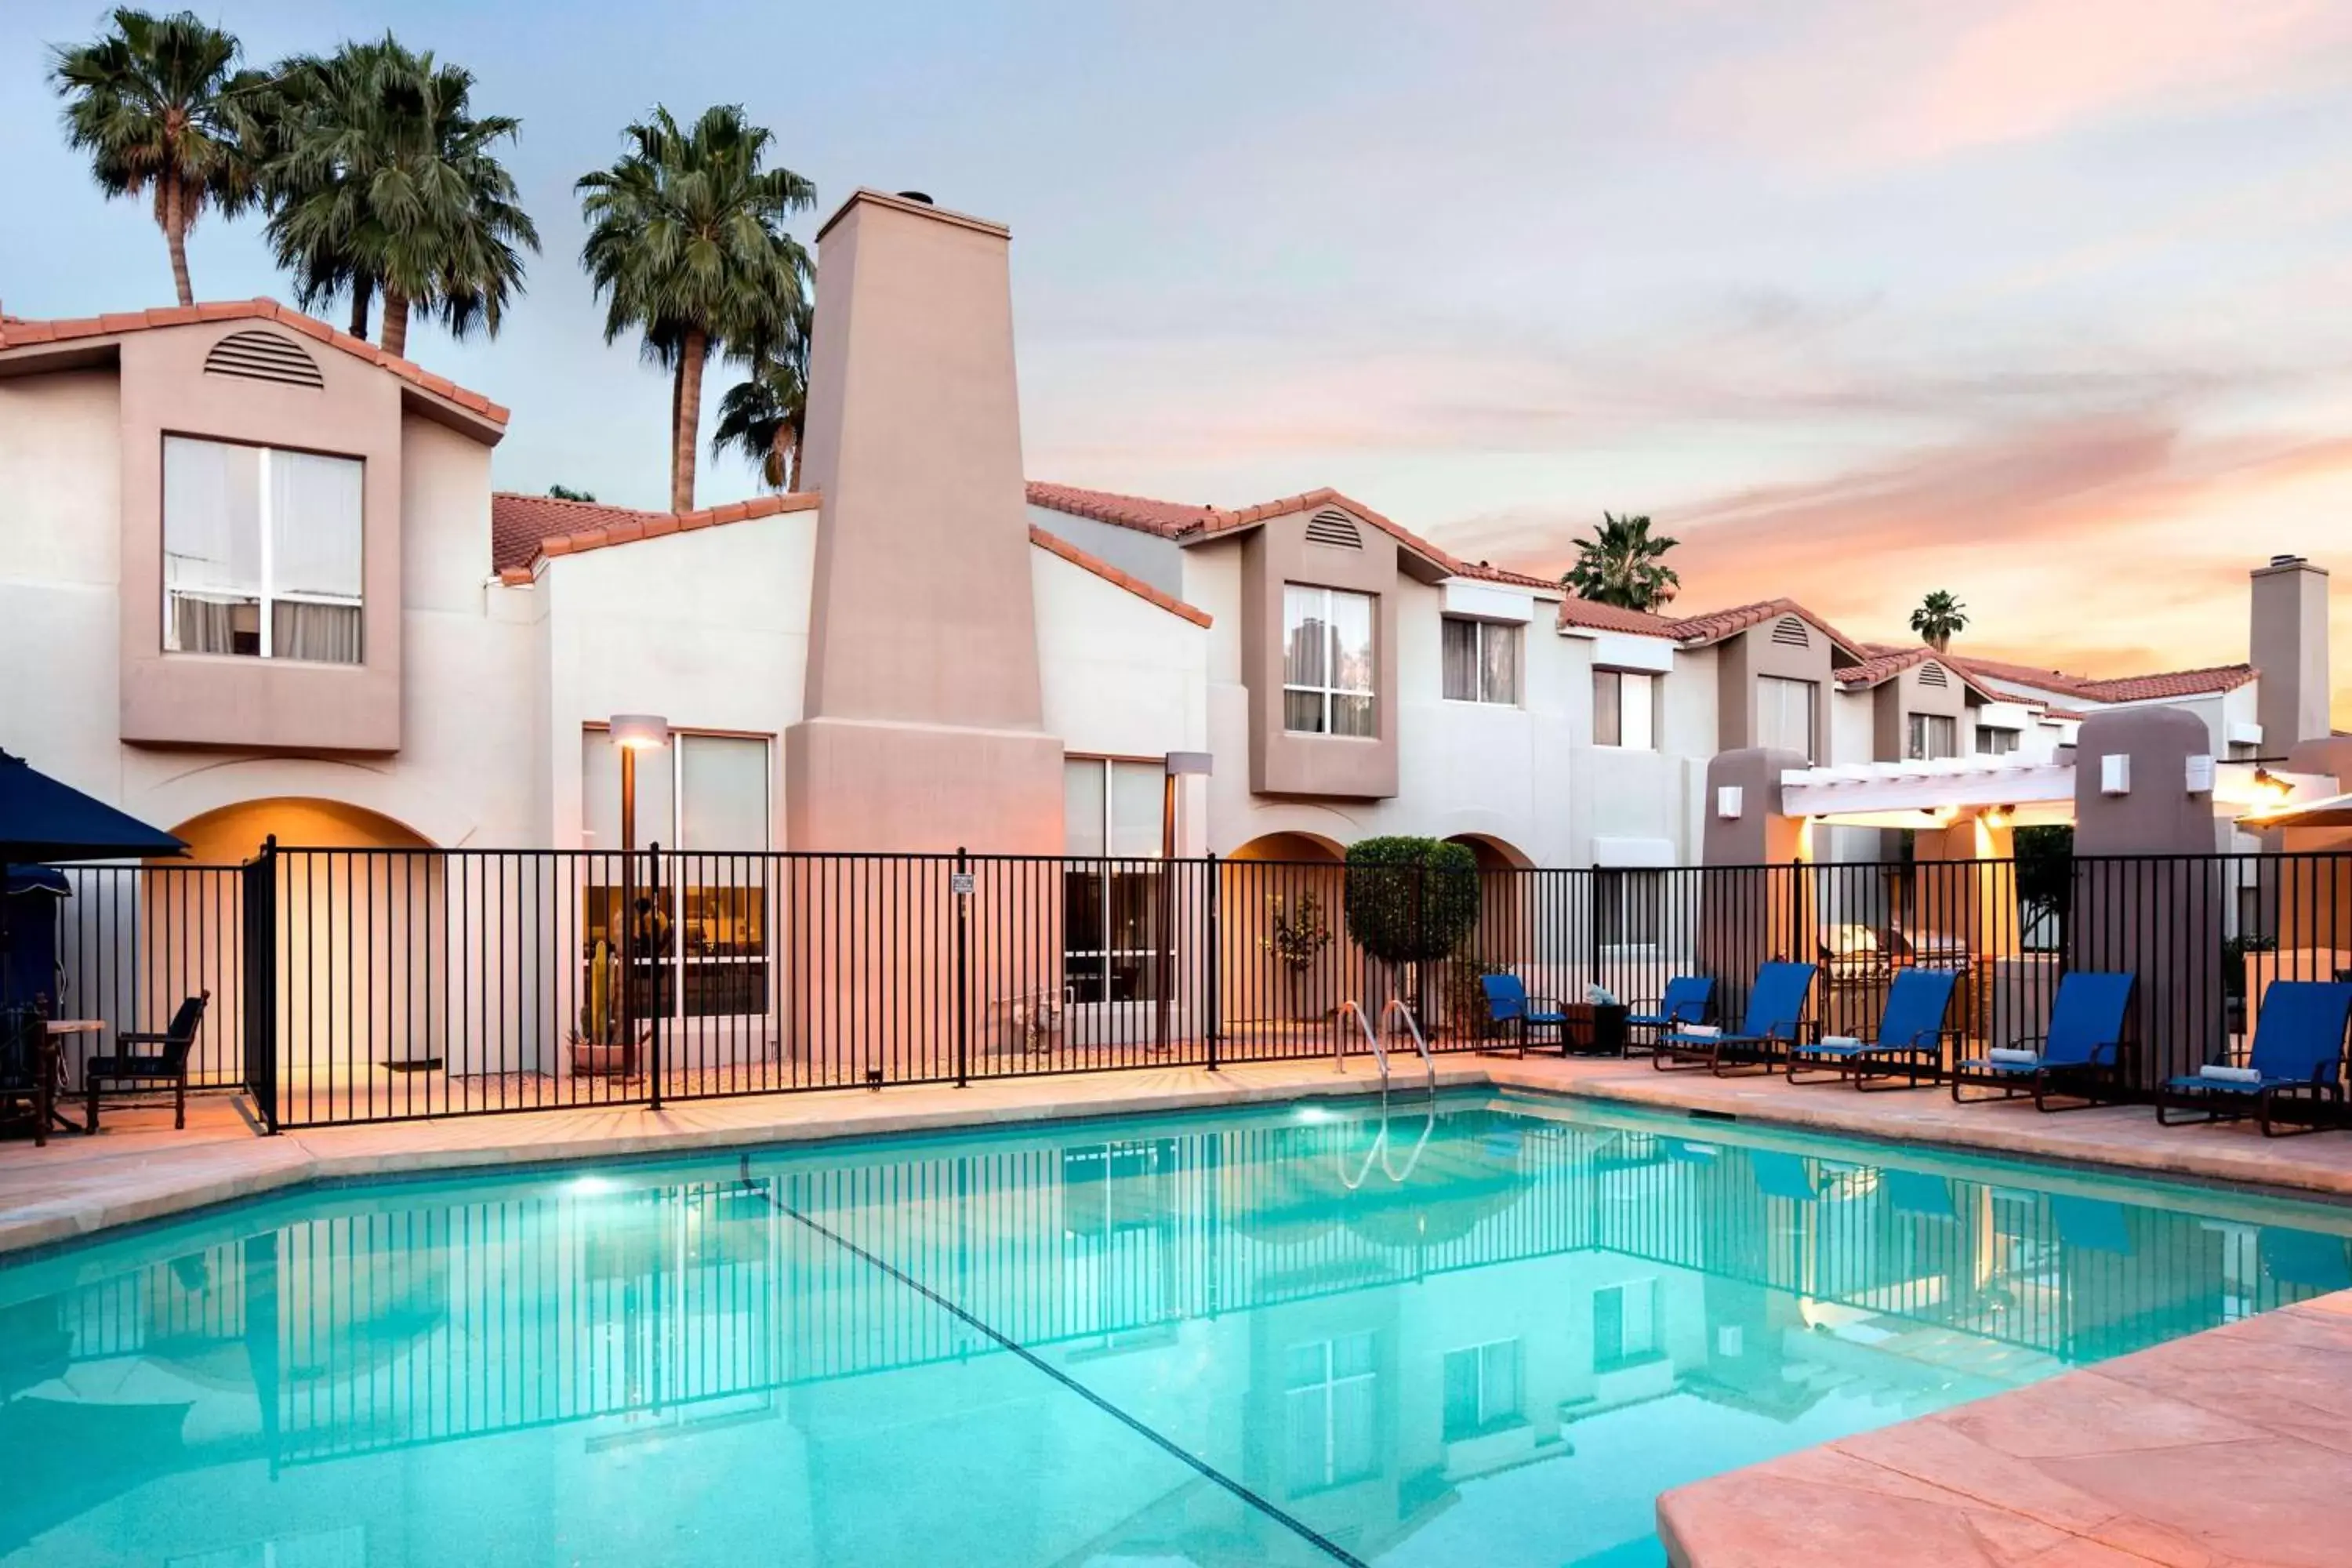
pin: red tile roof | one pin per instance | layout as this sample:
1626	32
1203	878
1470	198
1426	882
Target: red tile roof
2156	688
1165	518
1594	615
1056	545
18	333
1886	662
524	527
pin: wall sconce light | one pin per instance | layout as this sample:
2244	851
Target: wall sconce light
2279	788
2200	774
1999	815
2115	774
1730	800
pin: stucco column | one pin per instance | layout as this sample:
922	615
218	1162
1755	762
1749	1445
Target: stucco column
1765	912
922	726
2149	888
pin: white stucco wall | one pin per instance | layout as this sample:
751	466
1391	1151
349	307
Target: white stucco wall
708	629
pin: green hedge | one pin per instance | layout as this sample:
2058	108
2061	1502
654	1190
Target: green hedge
1410	899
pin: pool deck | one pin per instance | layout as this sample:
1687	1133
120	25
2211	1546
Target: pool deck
2225	1450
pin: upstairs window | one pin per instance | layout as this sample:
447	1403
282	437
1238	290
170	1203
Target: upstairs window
1481	660
1930	737
1626	709
1784	714
1327	662
261	551
1993	741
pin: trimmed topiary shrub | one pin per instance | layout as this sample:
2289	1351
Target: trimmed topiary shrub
1410	899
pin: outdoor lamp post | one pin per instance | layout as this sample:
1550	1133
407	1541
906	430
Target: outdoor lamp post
1180	765
632	732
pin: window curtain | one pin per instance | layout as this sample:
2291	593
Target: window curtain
1500	649
1082	806
1461	661
1137	791
212	542
1608	723
322	634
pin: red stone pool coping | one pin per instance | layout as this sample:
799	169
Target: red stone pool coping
2225	1450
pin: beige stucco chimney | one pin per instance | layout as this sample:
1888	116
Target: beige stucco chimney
922	725
2288	644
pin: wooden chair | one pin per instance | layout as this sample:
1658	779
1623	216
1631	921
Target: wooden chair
131	1068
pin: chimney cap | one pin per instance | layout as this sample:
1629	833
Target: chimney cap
922	197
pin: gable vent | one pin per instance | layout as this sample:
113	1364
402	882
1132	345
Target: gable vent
263	356
1932	674
1790	632
1331	526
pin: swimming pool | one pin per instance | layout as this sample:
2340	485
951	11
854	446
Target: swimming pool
1487	1329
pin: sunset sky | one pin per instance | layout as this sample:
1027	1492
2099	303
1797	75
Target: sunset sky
2039	301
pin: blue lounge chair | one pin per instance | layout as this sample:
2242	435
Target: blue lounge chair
1509	1006
2298	1055
2078	1058
2093	1225
1775	1022
1688	1000
1909	1044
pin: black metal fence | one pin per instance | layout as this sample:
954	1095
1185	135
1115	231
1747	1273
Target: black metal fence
355	986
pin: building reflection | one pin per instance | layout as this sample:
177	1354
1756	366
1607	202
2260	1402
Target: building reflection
1374	1326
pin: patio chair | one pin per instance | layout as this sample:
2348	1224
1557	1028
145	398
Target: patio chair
1782	1175
1776	1011
130	1069
28	1067
2298	1055
1917	1193
1688	1000
2079	1058
1509	1003
1909	1044
2092	1224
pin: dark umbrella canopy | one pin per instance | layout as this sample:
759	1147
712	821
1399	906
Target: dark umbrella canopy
41	819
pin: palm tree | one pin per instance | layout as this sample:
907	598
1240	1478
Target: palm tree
155	103
686	244
1623	565
381	180
1939	618
764	416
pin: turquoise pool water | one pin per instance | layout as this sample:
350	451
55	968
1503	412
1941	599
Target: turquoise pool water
1486	1332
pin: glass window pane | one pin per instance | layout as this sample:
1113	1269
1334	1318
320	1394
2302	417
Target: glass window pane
725	809
1607	699
212	547
1138	792
1302	711
600	770
1351	642
1083	826
1305	636
1459	654
1352	716
1637	712
314	524
1500	646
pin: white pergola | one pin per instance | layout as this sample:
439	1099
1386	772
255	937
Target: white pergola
2006	794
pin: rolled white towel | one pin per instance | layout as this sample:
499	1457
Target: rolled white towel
1843	1042
1702	1031
1600	996
2012	1055
2220	1073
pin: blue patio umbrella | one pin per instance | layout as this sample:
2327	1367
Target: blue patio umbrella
41	819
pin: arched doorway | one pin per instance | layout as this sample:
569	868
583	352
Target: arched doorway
360	945
1286	963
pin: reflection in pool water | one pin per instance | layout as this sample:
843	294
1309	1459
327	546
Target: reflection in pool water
1483	1333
